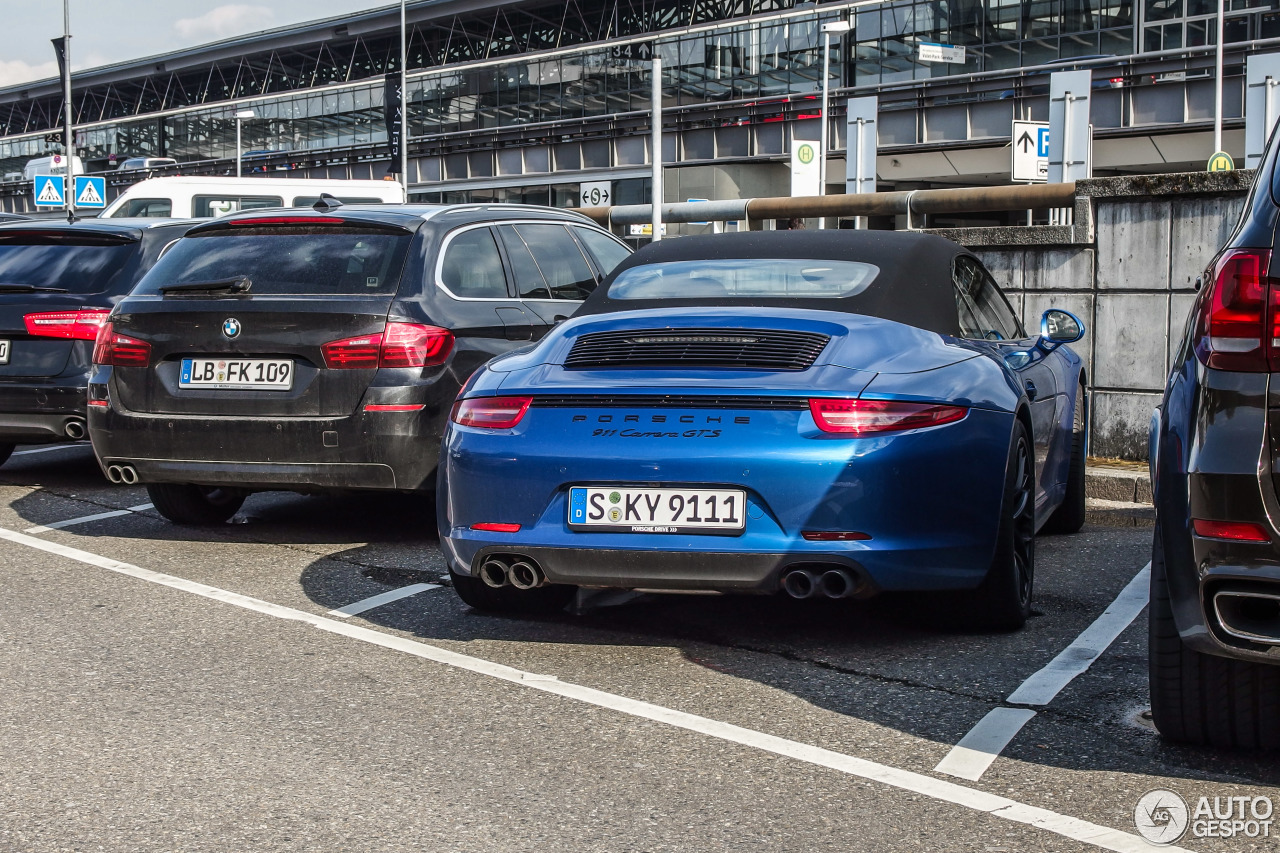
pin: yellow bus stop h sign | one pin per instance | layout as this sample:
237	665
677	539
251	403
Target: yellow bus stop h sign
1221	162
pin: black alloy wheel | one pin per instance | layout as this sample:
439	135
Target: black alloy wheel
1003	601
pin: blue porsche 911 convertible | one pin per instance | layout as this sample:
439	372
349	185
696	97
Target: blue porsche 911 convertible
830	413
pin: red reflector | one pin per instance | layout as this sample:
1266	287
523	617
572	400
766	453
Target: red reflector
374	407
80	325
101	403
1236	531
869	417
118	350
1232	331
835	535
496	527
490	412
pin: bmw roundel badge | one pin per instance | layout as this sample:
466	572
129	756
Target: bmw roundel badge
231	327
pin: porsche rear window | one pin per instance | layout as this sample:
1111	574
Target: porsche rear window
752	278
287	261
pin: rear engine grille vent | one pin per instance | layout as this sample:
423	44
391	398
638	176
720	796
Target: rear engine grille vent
741	349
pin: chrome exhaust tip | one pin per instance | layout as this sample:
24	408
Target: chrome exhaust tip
74	429
113	474
800	583
525	574
837	583
128	475
1249	615
495	574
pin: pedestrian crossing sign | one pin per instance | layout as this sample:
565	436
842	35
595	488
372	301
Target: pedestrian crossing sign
49	190
91	192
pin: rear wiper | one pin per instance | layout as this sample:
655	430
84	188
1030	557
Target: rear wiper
239	284
31	288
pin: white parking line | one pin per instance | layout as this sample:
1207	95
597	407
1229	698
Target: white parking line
916	783
50	449
379	600
975	752
85	519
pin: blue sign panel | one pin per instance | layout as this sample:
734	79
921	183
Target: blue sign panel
1042	142
49	190
91	192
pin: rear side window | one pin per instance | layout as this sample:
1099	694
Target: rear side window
28	260
145	207
303	261
472	268
607	251
984	313
220	205
564	270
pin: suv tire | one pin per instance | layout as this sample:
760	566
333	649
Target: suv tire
1206	699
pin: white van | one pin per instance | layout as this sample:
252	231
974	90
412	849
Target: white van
206	197
55	164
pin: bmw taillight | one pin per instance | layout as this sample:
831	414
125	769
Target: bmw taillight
871	417
490	412
120	350
81	325
399	345
1237	326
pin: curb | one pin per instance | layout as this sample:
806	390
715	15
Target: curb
1128	484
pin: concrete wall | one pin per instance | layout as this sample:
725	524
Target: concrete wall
1128	269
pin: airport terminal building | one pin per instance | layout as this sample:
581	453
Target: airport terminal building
525	100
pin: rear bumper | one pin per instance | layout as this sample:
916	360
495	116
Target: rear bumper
39	412
385	450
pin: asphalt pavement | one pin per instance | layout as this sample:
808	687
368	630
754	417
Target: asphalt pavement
235	688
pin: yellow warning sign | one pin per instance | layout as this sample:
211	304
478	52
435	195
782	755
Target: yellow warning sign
1221	162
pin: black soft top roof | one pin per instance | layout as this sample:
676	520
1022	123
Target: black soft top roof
914	285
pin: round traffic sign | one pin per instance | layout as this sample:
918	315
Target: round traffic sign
1221	162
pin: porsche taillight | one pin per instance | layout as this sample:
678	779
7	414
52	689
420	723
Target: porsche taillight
1238	327
490	412
871	417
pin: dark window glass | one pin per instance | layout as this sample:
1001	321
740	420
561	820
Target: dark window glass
327	261
559	259
607	251
150	207
50	262
744	279
472	267
529	281
984	313
218	205
309	200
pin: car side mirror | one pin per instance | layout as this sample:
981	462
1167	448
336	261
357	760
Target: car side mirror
1060	327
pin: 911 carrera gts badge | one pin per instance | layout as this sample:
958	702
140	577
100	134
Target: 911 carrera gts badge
231	327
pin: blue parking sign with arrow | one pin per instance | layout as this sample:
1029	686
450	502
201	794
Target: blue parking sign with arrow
49	190
91	192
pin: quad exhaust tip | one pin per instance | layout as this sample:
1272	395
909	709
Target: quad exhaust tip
495	573
123	475
521	573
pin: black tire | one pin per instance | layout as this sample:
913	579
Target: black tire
183	503
543	600
1069	516
6	450
1206	699
1003	601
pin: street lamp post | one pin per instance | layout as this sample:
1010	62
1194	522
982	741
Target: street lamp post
404	102
240	117
829	29
1217	80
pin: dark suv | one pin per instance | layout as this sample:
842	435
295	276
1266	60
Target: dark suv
1215	469
58	282
322	349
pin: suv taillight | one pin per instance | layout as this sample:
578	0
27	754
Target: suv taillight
118	350
400	345
81	325
1237	327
